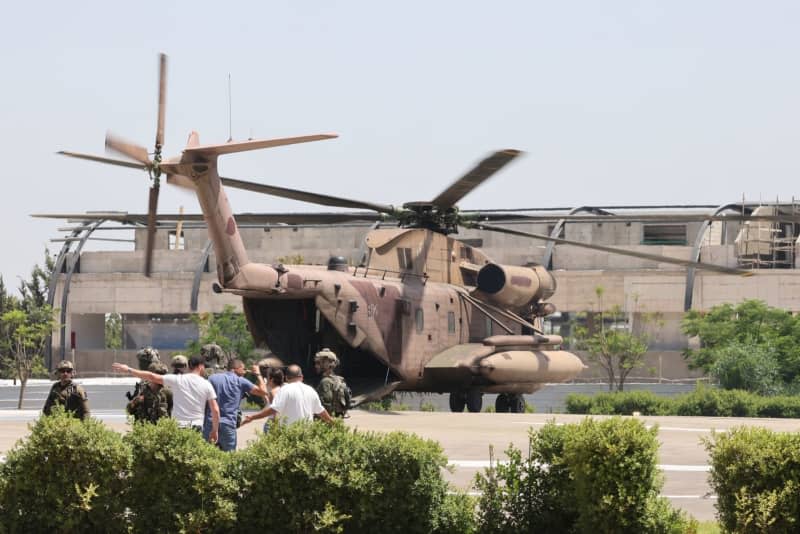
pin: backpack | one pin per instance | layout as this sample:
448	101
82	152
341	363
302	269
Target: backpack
341	396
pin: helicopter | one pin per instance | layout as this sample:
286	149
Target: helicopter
422	312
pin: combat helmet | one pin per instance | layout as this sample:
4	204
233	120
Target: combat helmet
158	368
146	356
270	362
214	355
179	361
65	364
326	358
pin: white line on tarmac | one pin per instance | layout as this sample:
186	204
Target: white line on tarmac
686	497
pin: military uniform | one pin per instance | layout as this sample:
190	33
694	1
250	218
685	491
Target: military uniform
151	405
327	393
71	396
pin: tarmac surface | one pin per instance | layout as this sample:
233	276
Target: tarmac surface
466	437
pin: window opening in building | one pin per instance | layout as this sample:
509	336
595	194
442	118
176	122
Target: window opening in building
420	320
451	322
664	234
176	242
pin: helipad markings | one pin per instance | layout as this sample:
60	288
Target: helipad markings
478	464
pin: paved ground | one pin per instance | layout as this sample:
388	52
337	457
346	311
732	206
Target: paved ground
466	438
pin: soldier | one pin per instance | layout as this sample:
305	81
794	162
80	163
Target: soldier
332	389
146	357
67	394
179	364
154	401
215	357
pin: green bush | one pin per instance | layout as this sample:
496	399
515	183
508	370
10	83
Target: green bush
67	476
749	367
331	478
587	477
756	475
178	481
712	402
704	401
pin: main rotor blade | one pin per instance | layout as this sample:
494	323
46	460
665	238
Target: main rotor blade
306	196
100	159
488	216
126	148
241	218
613	250
162	100
151	228
482	171
254	144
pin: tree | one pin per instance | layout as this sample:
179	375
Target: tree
609	341
34	291
227	329
25	334
751	323
113	331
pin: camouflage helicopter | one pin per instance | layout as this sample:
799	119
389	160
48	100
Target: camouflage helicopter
423	312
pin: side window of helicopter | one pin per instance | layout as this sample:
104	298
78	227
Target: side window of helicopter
404	258
420	320
451	322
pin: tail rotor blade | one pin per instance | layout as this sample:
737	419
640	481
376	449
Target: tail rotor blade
151	229
162	100
126	148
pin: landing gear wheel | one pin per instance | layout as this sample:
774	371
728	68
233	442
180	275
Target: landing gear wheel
474	400
501	403
457	401
516	403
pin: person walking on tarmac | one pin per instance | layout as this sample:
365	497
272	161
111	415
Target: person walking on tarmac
191	393
295	401
332	389
67	394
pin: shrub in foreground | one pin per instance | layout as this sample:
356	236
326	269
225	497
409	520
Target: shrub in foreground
756	475
595	476
67	476
178	481
316	477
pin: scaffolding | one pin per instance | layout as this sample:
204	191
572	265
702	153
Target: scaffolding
768	244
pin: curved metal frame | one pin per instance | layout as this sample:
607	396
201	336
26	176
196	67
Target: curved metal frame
547	260
698	241
198	273
70	270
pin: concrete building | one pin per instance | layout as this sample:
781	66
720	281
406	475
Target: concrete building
157	310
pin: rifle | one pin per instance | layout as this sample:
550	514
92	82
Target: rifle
136	391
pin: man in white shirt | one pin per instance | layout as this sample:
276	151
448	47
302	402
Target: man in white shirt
190	392
295	401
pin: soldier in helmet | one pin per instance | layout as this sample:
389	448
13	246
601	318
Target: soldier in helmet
179	364
154	401
332	389
67	394
146	356
215	357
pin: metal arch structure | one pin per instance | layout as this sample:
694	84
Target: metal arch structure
198	273
547	260
87	230
698	241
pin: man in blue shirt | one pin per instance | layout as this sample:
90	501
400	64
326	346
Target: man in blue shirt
231	387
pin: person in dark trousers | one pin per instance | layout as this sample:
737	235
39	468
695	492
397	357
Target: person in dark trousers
231	387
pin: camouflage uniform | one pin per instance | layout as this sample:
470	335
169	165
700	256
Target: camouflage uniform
151	404
330	385
215	357
69	395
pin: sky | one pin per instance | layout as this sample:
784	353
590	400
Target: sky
639	102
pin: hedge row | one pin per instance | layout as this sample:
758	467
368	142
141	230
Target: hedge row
73	476
705	401
756	475
595	476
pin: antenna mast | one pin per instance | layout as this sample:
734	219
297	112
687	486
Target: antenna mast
230	120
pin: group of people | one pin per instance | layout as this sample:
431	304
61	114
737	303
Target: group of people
211	405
